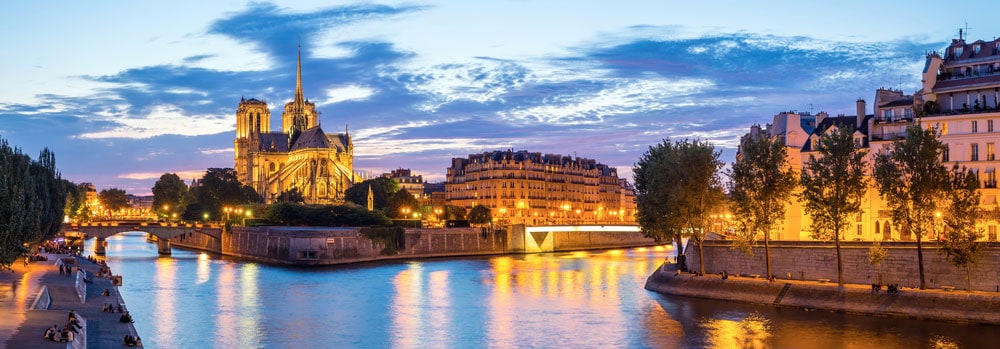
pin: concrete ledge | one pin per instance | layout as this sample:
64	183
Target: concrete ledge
973	307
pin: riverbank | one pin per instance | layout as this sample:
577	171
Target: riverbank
962	306
36	296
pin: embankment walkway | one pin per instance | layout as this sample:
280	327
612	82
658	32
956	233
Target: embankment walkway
962	306
22	326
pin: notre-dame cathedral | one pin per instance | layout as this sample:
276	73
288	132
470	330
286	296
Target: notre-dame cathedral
300	156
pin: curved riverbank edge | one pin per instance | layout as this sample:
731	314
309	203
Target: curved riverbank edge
960	306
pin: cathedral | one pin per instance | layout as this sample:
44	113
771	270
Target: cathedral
300	156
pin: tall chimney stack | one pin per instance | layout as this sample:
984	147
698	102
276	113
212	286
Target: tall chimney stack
861	113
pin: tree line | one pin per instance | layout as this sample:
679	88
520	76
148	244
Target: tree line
32	201
679	193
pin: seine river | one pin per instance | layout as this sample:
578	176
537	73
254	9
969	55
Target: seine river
560	300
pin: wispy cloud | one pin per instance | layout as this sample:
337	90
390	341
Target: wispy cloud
156	175
346	93
164	120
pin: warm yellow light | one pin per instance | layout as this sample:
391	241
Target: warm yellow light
937	214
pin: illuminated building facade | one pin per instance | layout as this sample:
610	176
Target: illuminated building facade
540	189
301	156
959	98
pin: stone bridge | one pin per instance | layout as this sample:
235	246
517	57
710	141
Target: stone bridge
162	231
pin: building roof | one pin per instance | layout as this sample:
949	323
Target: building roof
273	142
907	102
847	122
312	138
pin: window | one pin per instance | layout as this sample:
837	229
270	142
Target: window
944	128
944	154
989	125
993	233
990	156
975	126
859	229
974	152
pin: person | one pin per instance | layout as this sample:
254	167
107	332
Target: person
49	332
677	272
138	341
725	275
106	292
70	336
60	269
120	308
127	340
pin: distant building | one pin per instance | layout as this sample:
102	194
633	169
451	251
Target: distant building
414	184
301	156
959	98
540	189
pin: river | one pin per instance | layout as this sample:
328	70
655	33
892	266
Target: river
556	300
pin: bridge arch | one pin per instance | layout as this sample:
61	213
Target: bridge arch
162	231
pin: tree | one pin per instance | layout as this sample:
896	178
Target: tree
454	212
761	184
911	179
168	192
32	201
381	188
219	187
877	254
480	214
401	200
113	199
961	236
678	188
76	201
652	175
832	188
292	195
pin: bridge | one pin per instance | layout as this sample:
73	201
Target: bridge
162	231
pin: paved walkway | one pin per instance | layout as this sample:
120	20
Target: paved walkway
22	327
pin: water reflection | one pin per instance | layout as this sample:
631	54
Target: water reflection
579	299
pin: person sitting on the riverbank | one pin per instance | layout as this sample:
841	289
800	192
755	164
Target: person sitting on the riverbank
893	289
119	310
128	340
63	335
70	335
106	292
138	341
678	272
876	288
50	333
725	275
126	317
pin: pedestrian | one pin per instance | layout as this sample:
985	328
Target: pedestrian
60	269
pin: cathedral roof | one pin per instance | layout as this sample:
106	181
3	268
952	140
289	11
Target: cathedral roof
273	142
312	138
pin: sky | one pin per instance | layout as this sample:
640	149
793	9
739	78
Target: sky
123	92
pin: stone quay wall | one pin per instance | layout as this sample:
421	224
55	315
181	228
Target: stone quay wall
974	307
324	246
810	260
328	245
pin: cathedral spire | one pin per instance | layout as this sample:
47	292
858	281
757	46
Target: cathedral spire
299	98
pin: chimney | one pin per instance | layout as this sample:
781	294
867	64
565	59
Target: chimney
861	113
820	117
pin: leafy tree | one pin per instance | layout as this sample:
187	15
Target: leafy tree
381	188
480	214
323	215
74	200
292	195
877	254
219	187
454	212
168	192
833	186
32	201
961	236
652	175
113	199
911	179
761	184
678	189
400	200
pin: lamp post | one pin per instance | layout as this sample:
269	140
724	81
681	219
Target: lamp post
405	211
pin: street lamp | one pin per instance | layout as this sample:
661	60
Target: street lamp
937	216
405	211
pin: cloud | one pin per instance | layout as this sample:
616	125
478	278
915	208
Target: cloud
346	93
156	175
216	151
163	120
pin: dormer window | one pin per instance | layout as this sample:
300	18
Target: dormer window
958	52
975	49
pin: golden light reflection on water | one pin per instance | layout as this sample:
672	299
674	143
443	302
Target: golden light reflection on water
753	331
249	330
526	288
164	299
204	268
406	310
227	316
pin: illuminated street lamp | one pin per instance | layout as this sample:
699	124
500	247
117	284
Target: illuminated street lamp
937	217
405	211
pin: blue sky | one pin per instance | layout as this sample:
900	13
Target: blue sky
123	92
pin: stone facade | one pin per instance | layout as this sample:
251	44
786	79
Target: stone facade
809	260
535	189
301	156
